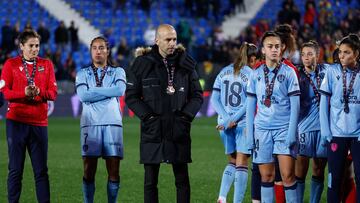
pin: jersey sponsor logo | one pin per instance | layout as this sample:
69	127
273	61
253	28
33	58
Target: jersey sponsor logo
41	68
281	78
273	100
352	99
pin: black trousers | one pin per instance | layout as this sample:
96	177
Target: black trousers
337	152
34	139
181	182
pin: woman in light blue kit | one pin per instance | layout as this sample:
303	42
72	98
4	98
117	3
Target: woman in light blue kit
274	88
340	115
99	87
229	100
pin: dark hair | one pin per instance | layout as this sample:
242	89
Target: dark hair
286	35
353	41
246	51
269	34
312	44
27	34
107	44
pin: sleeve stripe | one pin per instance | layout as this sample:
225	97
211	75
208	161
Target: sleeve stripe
81	85
325	93
120	80
294	93
250	94
216	89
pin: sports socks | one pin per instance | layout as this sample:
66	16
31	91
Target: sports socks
88	190
112	190
279	193
301	188
291	193
240	183
317	186
227	180
267	192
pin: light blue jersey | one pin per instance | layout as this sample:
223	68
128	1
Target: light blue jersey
232	90
276	116
101	105
342	124
309	114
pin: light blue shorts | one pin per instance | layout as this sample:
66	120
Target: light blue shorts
102	141
312	145
234	140
269	143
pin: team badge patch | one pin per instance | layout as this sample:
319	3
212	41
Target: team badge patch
259	78
338	77
322	75
281	78
333	147
41	68
21	68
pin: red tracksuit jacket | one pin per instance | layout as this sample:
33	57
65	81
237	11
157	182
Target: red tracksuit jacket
21	109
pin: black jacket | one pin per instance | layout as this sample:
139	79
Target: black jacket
165	119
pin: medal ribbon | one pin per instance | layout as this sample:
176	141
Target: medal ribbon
30	79
346	93
270	87
103	72
170	73
318	81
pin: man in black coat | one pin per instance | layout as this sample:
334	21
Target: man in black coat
163	90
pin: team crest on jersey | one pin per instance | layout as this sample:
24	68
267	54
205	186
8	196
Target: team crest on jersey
338	77
334	147
109	73
322	75
281	78
21	68
259	78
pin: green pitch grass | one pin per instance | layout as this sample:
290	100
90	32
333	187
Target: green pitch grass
65	166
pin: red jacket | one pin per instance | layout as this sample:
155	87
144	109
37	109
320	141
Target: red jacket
21	109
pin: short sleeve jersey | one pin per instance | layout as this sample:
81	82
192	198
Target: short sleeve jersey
342	124
286	85
309	115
